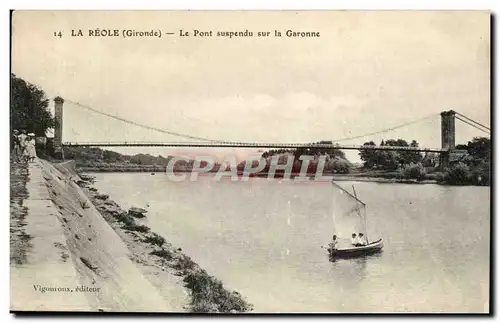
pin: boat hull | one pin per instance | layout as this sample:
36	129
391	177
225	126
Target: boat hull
369	249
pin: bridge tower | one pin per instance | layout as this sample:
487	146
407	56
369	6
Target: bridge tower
58	150
447	137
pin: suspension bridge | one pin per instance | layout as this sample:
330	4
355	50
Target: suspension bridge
447	136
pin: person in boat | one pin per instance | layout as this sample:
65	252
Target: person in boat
361	240
354	239
333	245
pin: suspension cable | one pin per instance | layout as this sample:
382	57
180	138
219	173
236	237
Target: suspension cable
473	121
387	130
141	125
229	142
472	125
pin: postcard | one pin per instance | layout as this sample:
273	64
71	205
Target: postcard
250	161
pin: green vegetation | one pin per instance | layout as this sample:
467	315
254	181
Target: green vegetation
29	107
336	161
390	160
185	264
473	167
163	253
94	157
136	227
126	219
155	239
414	171
207	293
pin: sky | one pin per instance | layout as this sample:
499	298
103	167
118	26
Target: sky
368	71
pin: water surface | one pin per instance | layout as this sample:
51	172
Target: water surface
263	238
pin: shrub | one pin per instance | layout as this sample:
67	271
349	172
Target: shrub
458	174
155	239
339	165
438	176
481	174
126	219
209	295
135	227
414	171
163	253
184	263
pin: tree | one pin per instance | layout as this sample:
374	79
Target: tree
338	165
405	157
29	107
481	174
387	159
479	148
111	156
308	151
368	156
474	167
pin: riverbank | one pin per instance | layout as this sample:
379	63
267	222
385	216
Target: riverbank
62	243
207	293
344	177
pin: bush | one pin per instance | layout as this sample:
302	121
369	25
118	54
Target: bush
414	171
155	239
135	227
481	174
210	296
438	176
185	263
163	253
125	219
458	174
338	165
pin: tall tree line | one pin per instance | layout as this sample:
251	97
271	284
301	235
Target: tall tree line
29	107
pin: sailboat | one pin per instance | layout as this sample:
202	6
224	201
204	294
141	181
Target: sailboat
349	216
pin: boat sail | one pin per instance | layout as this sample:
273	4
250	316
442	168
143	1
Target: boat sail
349	213
349	216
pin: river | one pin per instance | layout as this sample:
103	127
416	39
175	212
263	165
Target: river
263	238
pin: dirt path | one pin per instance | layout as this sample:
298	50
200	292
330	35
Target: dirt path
19	240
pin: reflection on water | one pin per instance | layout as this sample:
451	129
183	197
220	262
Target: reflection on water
264	239
352	270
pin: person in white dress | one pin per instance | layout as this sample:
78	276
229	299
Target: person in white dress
22	143
30	150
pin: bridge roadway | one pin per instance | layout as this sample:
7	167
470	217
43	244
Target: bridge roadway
247	145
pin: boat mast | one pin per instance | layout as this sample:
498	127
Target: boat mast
348	193
333	213
359	213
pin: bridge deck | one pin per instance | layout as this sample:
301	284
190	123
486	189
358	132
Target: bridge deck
246	145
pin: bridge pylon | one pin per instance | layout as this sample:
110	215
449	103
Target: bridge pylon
58	147
447	137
